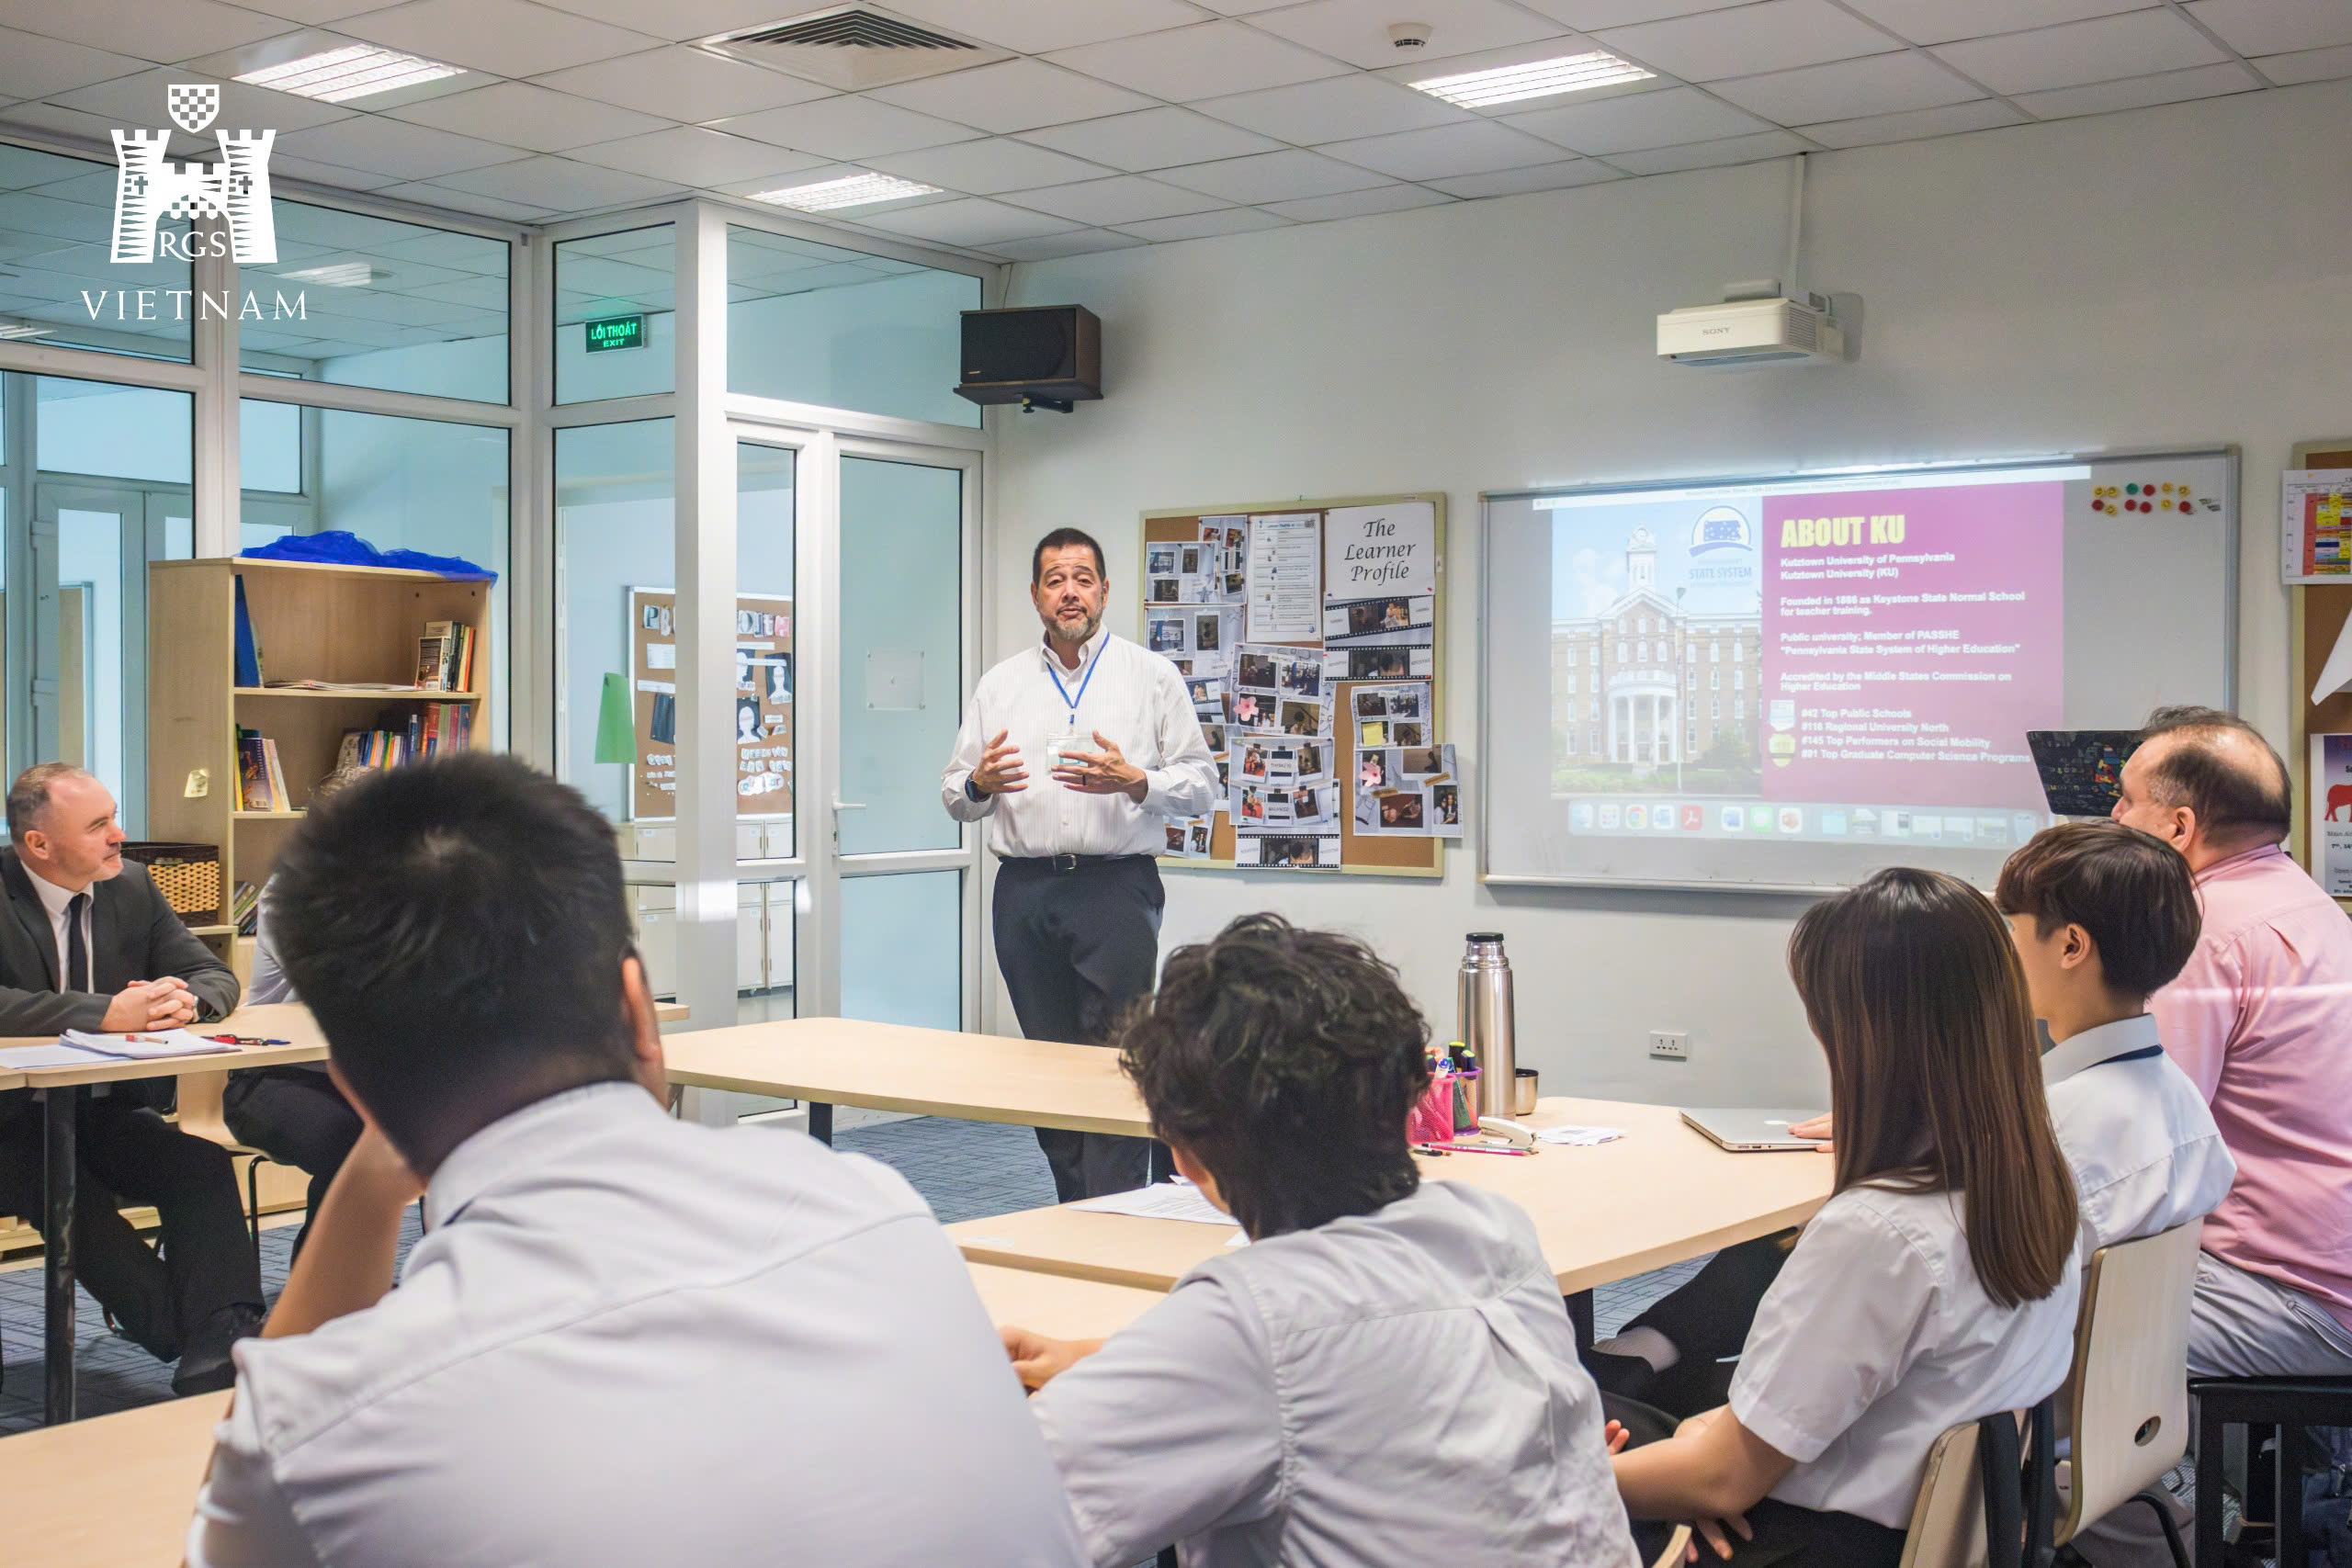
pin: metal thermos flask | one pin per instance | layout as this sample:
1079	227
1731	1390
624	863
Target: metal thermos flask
1484	999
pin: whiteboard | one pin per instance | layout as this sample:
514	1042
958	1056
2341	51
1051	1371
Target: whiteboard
1782	683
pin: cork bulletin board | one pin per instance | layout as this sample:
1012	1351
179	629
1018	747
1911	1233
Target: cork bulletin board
763	676
1361	852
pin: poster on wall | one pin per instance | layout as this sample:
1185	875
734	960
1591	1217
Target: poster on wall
2331	809
763	678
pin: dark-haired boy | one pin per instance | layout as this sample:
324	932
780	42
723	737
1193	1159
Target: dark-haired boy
1387	1372
626	1339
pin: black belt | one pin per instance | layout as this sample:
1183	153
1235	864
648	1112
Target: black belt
1064	866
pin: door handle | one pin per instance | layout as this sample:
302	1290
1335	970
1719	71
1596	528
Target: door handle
840	805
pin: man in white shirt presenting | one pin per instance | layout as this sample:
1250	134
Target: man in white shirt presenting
625	1339
1076	752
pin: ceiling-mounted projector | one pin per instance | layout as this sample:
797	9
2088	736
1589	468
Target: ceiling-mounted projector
1781	329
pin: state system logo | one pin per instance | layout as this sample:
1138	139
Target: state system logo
151	187
1719	528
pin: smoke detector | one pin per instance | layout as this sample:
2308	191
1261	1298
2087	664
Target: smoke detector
1407	36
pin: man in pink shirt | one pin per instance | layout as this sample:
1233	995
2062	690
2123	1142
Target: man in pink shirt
2261	1021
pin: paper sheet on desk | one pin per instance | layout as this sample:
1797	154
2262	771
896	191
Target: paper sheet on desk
145	1045
23	1056
1578	1137
1162	1201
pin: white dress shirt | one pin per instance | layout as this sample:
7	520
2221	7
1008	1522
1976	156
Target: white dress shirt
1135	698
1397	1387
2146	1153
630	1340
57	900
1875	1338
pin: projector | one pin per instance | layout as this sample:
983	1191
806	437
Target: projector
1777	331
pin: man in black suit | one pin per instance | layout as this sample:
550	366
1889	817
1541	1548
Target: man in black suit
91	944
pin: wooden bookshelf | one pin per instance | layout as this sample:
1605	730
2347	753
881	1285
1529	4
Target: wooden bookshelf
317	623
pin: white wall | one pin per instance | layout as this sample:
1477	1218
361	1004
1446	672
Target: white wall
2164	277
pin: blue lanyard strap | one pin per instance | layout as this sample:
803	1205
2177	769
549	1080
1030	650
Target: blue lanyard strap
1092	665
2142	1054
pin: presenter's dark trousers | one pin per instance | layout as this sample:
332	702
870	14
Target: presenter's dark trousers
131	1155
298	1117
1077	938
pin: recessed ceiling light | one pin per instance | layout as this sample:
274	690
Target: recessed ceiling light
1536	79
10	330
357	70
342	274
850	190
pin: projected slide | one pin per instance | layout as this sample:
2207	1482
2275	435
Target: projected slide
1823	663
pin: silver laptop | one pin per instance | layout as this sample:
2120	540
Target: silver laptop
1752	1132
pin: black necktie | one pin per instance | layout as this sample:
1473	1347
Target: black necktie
77	951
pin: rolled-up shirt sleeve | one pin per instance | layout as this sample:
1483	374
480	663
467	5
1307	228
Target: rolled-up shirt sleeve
1184	782
243	1519
971	745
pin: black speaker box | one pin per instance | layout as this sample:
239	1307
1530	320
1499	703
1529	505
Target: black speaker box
1048	354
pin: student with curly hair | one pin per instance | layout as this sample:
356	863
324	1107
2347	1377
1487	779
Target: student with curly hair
1386	1369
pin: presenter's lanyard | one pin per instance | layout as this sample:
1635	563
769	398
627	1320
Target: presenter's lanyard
1084	681
2142	1054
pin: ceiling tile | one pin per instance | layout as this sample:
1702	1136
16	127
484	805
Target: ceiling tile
1540	177
2304	65
1205	225
283	167
1586	15
1640	120
559	182
1476	148
1360	203
1036	26
985	168
508	37
57	121
2136	44
970	221
1012	95
312	11
1333	109
32	67
849	127
691	155
1153	139
1121	201
1849	89
2264	27
1941	21
1241	8
2140	92
181	31
1357	30
1273	176
139	100
527	116
1774	36
429	195
1077	243
1985	114
1711	154
684	84
1207	60
674	18
395	147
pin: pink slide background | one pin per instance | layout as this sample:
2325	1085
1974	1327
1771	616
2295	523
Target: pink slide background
1865	736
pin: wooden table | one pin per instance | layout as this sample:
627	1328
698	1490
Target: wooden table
931	1072
118	1491
1658	1195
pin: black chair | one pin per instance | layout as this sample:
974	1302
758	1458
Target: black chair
2285	1405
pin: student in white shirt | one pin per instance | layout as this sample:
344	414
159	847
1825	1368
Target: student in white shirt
1385	1373
1939	1283
625	1339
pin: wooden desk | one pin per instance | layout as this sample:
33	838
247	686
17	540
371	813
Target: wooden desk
118	1491
931	1072
672	1012
1658	1195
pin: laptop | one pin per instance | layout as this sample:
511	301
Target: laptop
1751	1132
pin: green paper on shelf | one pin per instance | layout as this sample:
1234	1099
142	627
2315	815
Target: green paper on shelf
615	732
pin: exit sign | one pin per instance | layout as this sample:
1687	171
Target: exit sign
615	331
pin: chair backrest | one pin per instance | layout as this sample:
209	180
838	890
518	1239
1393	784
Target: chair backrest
2129	1399
1948	1521
1677	1546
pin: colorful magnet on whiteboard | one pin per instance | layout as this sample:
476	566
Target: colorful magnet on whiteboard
2131	490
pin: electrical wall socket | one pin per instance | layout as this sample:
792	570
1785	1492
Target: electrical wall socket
1669	1045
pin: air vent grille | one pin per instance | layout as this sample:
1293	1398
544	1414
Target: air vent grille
853	29
852	47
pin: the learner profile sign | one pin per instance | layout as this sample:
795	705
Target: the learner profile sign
1911	638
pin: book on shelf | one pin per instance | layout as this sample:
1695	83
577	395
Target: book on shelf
248	647
278	791
434	729
445	657
253	774
374	686
244	908
431	662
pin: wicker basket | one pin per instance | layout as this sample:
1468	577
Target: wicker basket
189	875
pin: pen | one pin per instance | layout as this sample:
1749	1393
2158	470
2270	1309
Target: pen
1470	1149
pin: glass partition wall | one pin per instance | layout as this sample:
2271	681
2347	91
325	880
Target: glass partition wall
711	452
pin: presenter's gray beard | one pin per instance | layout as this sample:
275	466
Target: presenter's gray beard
1085	632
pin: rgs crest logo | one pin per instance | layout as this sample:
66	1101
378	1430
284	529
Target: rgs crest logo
151	188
